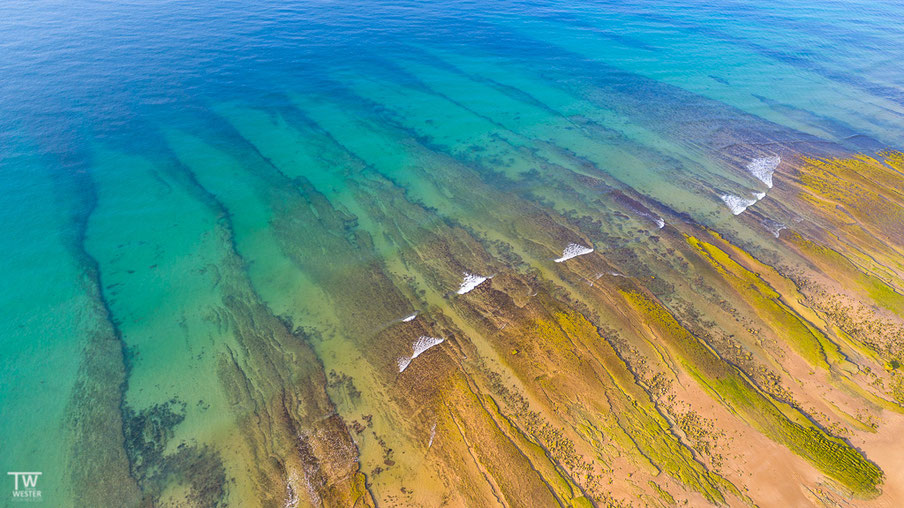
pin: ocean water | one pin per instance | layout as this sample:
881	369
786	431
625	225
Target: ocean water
188	188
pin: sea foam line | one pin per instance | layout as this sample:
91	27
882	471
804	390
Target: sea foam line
763	168
432	435
737	204
660	222
470	282
639	209
422	344
573	250
773	226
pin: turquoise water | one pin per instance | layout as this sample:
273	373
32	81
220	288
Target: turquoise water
177	177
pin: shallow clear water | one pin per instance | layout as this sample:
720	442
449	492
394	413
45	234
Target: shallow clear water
161	159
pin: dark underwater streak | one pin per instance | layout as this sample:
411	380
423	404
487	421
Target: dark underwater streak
100	468
846	135
893	94
377	351
387	116
733	154
298	190
730	364
635	94
413	210
254	345
594	132
388	121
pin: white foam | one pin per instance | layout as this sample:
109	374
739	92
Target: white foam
774	227
294	483
737	204
763	168
291	496
652	216
409	317
432	435
572	251
422	344
470	282
660	222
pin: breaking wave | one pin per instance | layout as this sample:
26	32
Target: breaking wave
763	168
737	204
422	344
573	250
470	282
773	226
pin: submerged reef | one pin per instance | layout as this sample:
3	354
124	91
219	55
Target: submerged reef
447	275
673	361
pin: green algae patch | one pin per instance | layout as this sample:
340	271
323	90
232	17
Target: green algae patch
566	490
508	464
878	290
864	186
808	341
831	455
663	494
894	158
863	197
633	419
